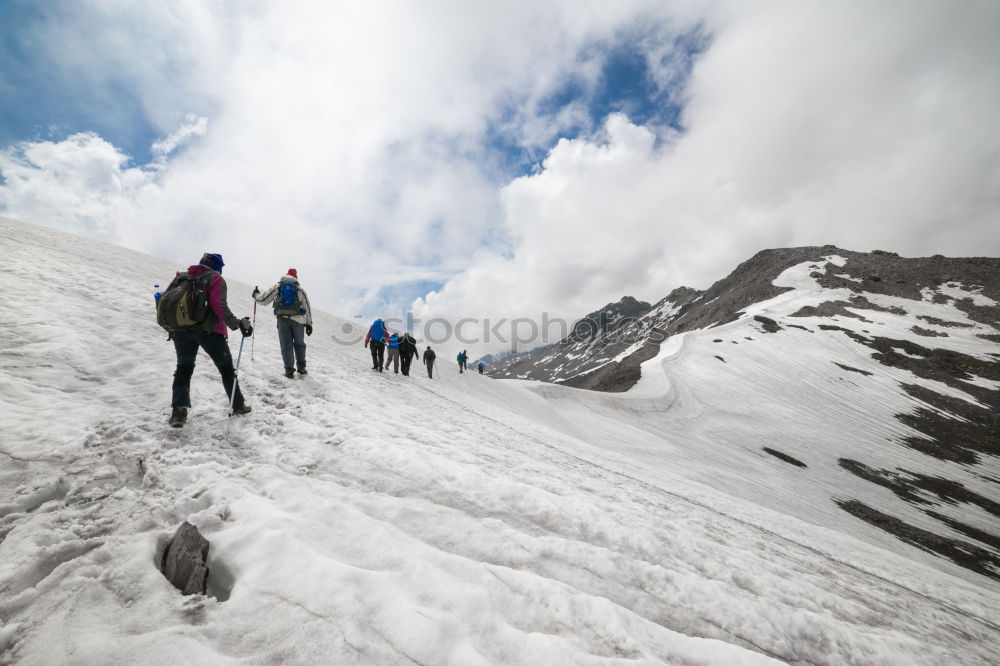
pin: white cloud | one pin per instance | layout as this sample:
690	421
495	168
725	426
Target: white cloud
193	126
81	184
352	141
868	126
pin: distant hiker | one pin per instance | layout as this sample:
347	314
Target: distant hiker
480	367
376	336
429	357
393	356
194	309
291	309
462	360
407	350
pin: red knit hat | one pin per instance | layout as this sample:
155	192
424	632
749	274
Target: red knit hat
294	273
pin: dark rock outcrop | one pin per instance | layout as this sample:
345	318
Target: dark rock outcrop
770	326
609	318
184	560
785	457
852	369
972	557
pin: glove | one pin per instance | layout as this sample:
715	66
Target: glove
246	328
309	329
256	291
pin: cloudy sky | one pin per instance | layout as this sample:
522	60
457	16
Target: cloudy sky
506	159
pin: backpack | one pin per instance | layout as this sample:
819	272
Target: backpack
429	356
184	305
287	302
377	330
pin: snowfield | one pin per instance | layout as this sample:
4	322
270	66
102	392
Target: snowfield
358	517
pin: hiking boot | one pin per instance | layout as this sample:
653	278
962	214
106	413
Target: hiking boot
241	410
302	369
178	417
289	372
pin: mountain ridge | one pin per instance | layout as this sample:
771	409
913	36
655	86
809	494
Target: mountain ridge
750	282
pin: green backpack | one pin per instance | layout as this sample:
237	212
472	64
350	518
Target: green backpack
184	305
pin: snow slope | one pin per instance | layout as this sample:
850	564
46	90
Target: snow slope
358	517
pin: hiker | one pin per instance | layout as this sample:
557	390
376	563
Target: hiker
462	360
291	309
376	336
429	357
407	350
480	367
209	334
393	356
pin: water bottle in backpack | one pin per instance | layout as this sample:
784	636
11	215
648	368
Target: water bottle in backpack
157	294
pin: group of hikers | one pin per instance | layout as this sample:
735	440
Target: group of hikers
194	310
396	350
399	350
463	361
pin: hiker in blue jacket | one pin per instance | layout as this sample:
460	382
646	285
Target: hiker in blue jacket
393	356
291	309
376	337
463	358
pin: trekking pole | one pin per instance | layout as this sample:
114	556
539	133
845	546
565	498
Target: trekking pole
236	383
254	325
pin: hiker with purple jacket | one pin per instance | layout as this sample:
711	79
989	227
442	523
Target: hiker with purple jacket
211	335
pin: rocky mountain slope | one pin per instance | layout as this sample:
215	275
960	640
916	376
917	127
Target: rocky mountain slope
604	349
607	358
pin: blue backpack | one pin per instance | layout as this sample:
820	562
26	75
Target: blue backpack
287	303
378	330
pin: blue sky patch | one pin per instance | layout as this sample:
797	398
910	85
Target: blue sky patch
626	84
41	100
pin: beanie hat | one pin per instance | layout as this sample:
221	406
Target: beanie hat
294	273
213	261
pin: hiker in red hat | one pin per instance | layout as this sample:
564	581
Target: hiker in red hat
291	308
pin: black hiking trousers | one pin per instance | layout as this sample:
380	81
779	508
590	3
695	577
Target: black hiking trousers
378	354
186	344
405	359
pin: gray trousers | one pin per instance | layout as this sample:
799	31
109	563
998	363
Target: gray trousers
292	336
392	358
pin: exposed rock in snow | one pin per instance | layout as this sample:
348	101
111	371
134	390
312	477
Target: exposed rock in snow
185	558
784	456
768	324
